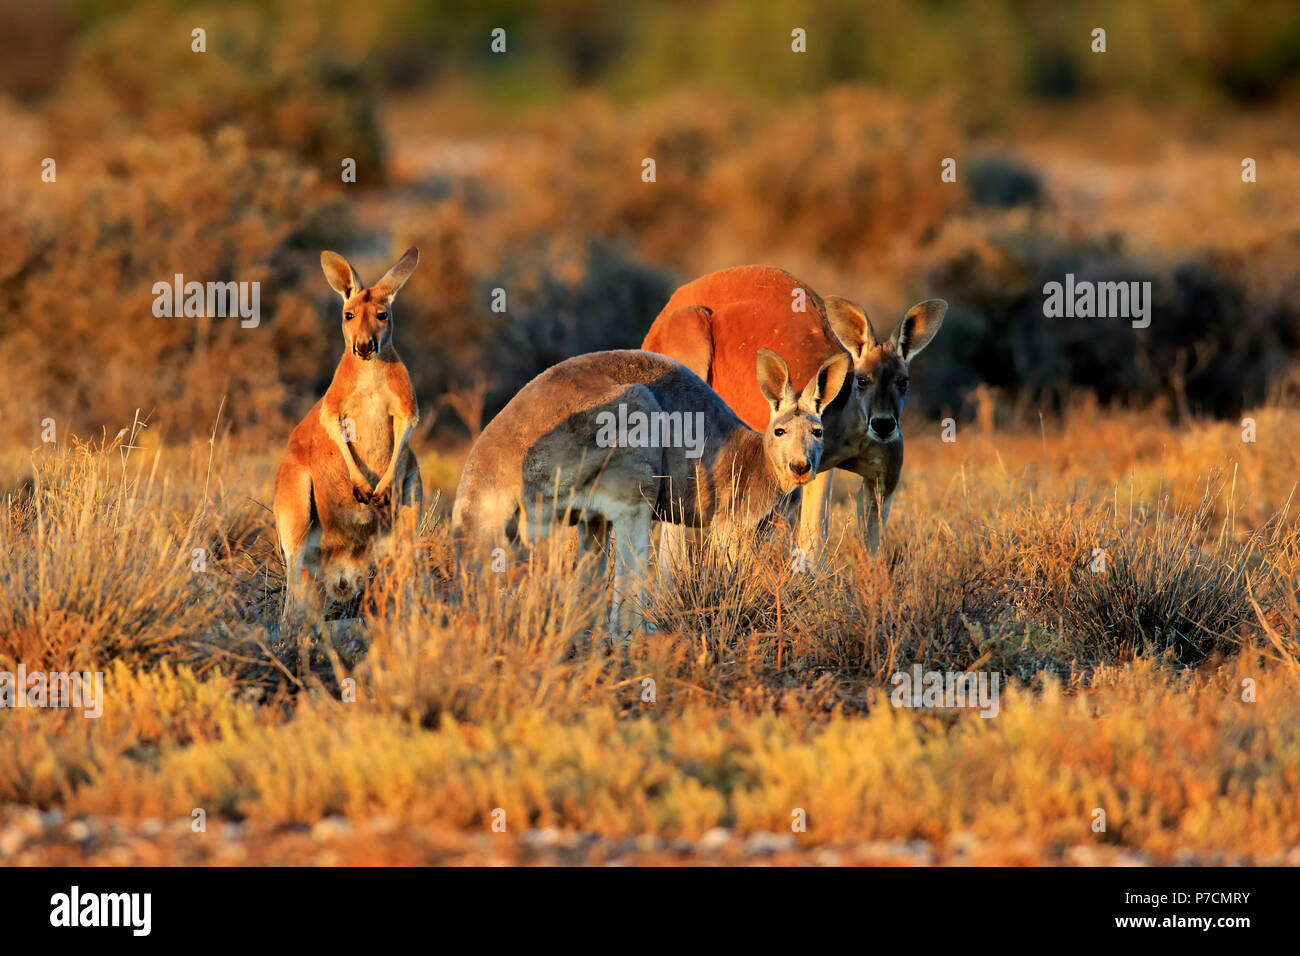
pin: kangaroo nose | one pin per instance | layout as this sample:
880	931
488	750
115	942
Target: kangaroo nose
365	348
883	427
800	467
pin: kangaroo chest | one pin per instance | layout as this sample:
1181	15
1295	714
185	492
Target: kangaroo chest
367	423
880	465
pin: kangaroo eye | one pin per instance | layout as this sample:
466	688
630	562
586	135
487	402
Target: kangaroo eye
778	432
382	316
347	316
817	433
864	381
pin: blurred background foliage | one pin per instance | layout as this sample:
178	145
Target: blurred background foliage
992	55
522	172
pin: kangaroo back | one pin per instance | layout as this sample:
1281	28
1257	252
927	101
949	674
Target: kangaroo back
748	307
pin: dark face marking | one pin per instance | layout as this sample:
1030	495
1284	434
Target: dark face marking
881	383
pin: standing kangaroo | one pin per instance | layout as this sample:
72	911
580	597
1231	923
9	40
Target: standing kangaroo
552	454
750	307
350	473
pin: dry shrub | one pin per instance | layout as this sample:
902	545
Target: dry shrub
283	85
834	178
1171	584
100	565
481	690
605	300
713	597
471	643
81	337
839	177
584	178
1033	774
1224	323
48	755
767	616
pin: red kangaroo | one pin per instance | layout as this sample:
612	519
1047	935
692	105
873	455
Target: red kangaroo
715	326
350	472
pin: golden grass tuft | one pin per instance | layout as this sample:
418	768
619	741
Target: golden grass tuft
1162	690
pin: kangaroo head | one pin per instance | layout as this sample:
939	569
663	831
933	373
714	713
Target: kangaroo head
367	313
793	440
880	368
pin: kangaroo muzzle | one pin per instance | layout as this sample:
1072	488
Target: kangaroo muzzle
883	427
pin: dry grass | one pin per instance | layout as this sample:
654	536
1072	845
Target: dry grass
463	692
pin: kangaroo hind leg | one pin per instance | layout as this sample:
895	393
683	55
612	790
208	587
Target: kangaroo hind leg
297	537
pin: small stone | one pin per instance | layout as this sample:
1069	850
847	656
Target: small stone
78	830
648	843
714	840
962	842
889	850
331	827
30	821
231	832
119	856
544	837
12	839
763	843
51	818
1084	855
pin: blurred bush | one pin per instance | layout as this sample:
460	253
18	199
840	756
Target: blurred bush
271	70
836	177
223	166
843	176
80	341
996	179
990	56
1225	324
609	306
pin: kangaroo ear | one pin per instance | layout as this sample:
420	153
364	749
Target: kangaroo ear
825	385
339	273
396	277
774	380
851	326
918	327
